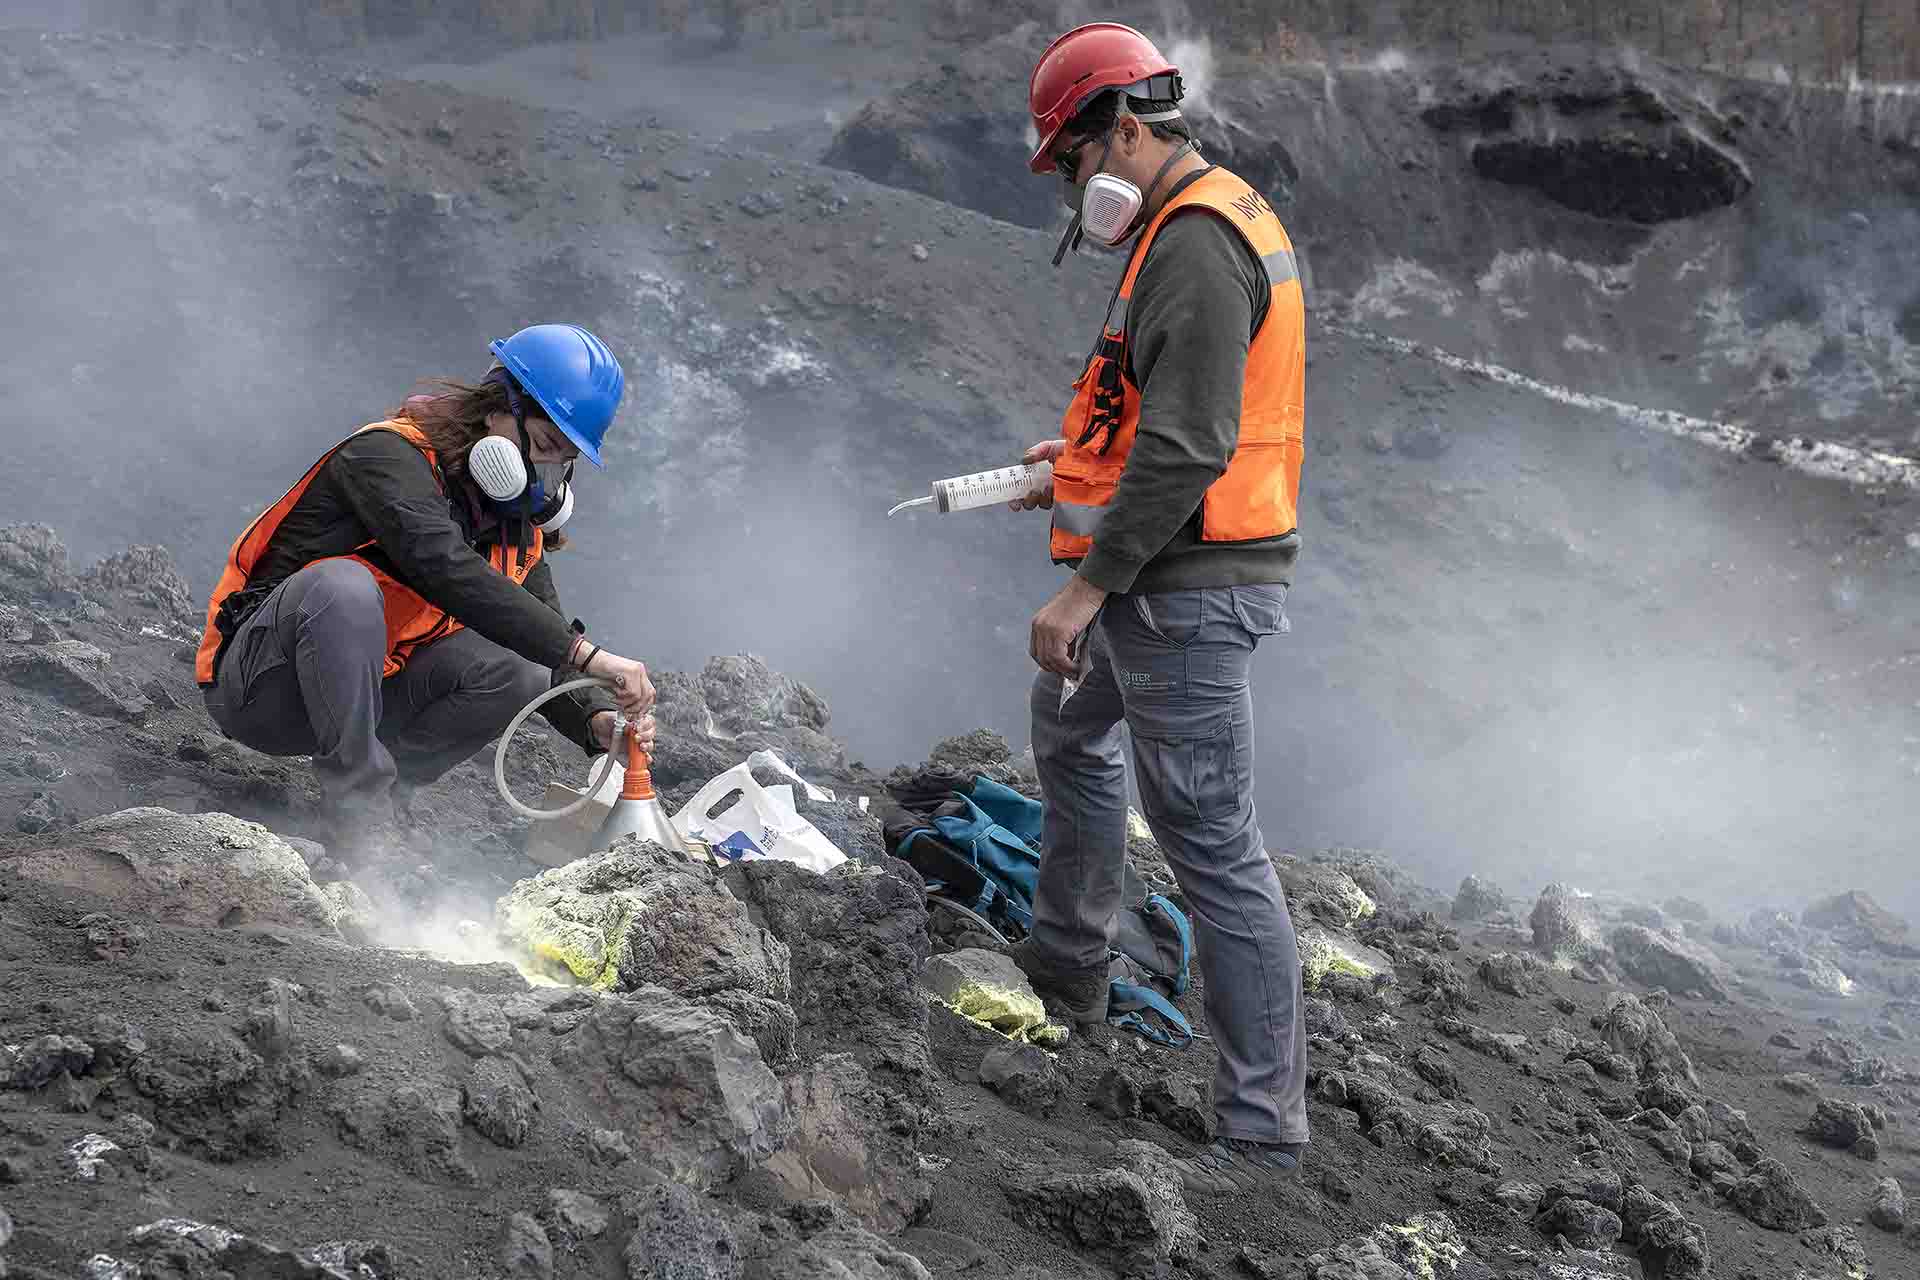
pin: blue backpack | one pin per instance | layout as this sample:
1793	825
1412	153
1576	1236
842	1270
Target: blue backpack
980	853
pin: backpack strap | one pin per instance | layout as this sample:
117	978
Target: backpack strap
1158	905
1131	1007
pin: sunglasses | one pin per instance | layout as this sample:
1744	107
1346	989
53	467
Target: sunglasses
1068	161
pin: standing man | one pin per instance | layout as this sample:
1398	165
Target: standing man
1175	482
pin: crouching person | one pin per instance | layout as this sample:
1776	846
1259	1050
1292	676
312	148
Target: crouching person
393	611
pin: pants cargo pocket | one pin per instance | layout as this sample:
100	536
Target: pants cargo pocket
1188	778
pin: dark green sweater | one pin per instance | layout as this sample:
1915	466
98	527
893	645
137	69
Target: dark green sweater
1199	298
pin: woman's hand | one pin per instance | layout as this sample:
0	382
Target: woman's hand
1045	451
602	726
632	691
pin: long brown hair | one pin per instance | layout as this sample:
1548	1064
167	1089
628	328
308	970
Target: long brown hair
453	417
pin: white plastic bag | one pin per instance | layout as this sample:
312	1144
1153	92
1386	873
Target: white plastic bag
762	823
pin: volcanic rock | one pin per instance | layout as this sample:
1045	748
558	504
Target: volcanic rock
1662	960
1844	1125
1478	899
1633	1029
1025	1075
1132	1214
74	673
145	575
691	1089
1427	1245
206	870
853	1142
497	1102
575	1216
638	915
1585	1225
987	987
1770	1197
857	936
840	1252
677	1233
1175	1102
1316	891
1859	923
1514	974
525	1251
211	1091
415	1127
1887	1209
1563	927
1671	1247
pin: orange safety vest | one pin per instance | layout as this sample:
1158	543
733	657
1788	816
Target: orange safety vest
1257	497
411	620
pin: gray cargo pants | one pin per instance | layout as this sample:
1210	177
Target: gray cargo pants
302	676
1174	666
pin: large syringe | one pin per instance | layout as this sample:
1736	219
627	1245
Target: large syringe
983	488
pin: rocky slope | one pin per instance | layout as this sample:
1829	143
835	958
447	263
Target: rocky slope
213	1061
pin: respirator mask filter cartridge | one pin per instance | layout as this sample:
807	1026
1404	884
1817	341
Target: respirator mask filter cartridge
500	470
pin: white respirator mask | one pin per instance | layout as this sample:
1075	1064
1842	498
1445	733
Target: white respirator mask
1107	209
500	470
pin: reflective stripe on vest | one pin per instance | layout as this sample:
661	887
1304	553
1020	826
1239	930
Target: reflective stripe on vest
1257	496
411	620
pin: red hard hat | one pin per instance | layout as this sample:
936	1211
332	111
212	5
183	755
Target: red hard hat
1083	63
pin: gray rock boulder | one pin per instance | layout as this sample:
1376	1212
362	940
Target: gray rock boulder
1585	1225
690	1089
525	1251
853	1143
1402	1251
1858	922
146	575
1478	899
1132	1214
1770	1197
841	1252
677	1233
1814	972
1322	892
1514	974
1636	1031
497	1102
1670	1246
1176	1102
415	1128
1887	1208
205	870
857	935
1564	929
638	915
1025	1076
1663	960
183	1247
1844	1126
75	674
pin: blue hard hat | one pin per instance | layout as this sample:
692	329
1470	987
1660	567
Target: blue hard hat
573	376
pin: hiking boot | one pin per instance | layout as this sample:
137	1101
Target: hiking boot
1072	995
1239	1164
